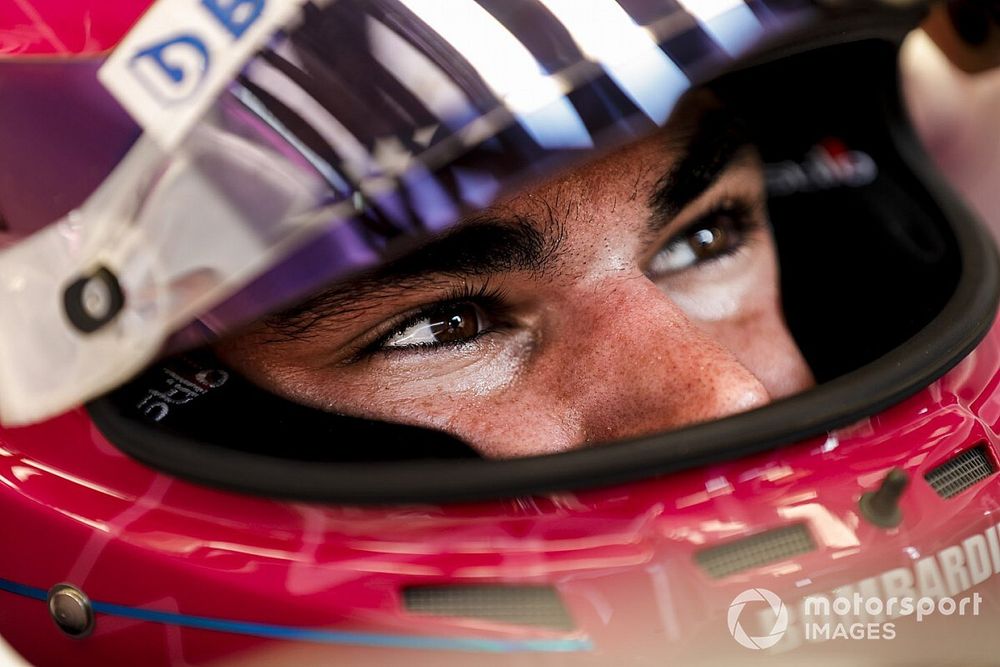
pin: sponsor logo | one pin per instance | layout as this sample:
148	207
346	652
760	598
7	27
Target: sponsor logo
178	390
172	70
829	164
182	53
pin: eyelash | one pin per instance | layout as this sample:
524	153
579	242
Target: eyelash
490	299
494	300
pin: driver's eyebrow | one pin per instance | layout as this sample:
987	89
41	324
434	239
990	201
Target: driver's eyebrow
482	246
497	243
719	137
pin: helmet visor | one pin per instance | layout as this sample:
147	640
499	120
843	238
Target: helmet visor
346	140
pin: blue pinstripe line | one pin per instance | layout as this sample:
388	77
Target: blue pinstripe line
314	635
21	589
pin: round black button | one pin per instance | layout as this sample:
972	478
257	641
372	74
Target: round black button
92	301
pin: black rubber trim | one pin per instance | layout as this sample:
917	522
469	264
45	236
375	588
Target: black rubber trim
904	371
75	308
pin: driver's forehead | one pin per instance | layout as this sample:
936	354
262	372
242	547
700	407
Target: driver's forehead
667	169
698	116
621	180
614	207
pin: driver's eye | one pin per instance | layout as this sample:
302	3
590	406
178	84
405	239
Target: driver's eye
451	323
715	235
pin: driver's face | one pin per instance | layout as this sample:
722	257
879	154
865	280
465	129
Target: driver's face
636	294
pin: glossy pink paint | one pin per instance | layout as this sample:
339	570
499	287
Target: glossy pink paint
78	510
62	28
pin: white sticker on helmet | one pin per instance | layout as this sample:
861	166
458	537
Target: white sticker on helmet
146	227
177	59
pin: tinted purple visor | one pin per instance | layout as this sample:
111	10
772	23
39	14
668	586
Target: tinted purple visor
349	139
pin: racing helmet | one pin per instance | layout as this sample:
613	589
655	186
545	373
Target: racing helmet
222	171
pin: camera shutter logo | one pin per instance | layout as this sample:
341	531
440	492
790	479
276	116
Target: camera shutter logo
780	620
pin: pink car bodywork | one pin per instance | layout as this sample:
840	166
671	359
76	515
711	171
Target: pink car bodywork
333	576
183	574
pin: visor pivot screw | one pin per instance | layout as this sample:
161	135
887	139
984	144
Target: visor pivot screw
71	610
882	507
93	300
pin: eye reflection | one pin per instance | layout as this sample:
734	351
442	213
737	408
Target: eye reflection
708	241
448	324
717	234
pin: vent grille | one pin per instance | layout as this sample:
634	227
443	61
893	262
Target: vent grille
536	606
756	550
956	475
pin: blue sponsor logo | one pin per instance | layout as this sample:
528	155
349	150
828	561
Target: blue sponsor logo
235	15
172	69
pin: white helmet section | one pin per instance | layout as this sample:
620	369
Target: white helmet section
164	232
89	300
